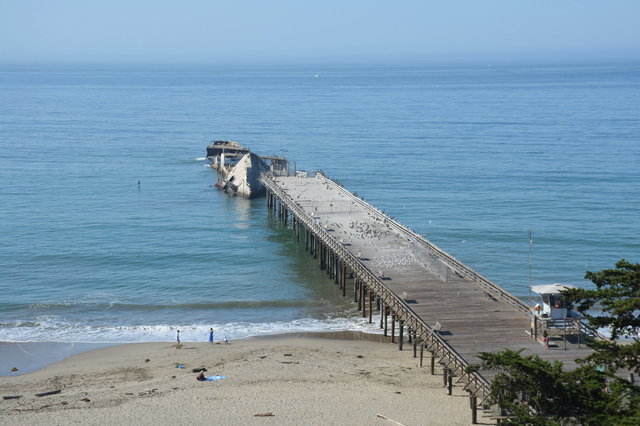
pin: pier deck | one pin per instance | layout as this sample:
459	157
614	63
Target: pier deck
420	286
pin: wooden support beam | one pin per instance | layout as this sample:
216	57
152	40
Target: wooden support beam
314	244
386	318
335	265
364	301
473	401
371	296
323	250
393	328
355	291
462	376
433	363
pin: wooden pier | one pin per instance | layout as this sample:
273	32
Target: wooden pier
417	293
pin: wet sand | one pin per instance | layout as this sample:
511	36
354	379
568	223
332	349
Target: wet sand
280	380
31	356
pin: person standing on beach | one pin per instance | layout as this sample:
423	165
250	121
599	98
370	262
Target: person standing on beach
178	337
211	335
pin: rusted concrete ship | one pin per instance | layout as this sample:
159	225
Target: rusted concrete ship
240	169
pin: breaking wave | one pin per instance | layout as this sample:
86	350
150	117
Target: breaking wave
51	329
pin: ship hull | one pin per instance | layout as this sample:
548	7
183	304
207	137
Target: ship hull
240	169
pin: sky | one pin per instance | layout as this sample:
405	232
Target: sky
320	31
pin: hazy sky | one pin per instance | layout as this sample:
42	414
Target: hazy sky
289	31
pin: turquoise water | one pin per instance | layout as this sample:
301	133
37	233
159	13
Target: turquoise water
471	157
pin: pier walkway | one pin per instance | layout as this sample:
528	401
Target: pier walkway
420	295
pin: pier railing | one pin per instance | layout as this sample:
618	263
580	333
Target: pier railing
434	343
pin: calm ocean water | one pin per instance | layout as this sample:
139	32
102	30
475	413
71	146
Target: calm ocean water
471	157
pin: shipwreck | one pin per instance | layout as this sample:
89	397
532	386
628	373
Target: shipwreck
240	169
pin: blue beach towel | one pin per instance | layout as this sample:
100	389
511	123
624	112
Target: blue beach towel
214	378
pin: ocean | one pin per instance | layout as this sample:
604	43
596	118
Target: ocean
471	157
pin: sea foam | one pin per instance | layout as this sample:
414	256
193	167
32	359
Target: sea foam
50	330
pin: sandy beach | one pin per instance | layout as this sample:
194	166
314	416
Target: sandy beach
338	379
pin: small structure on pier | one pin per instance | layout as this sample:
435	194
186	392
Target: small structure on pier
556	316
553	304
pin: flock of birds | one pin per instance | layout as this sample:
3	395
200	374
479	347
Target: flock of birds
365	231
392	261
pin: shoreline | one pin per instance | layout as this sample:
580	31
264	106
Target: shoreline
313	378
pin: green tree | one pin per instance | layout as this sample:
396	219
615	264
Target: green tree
616	300
534	391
